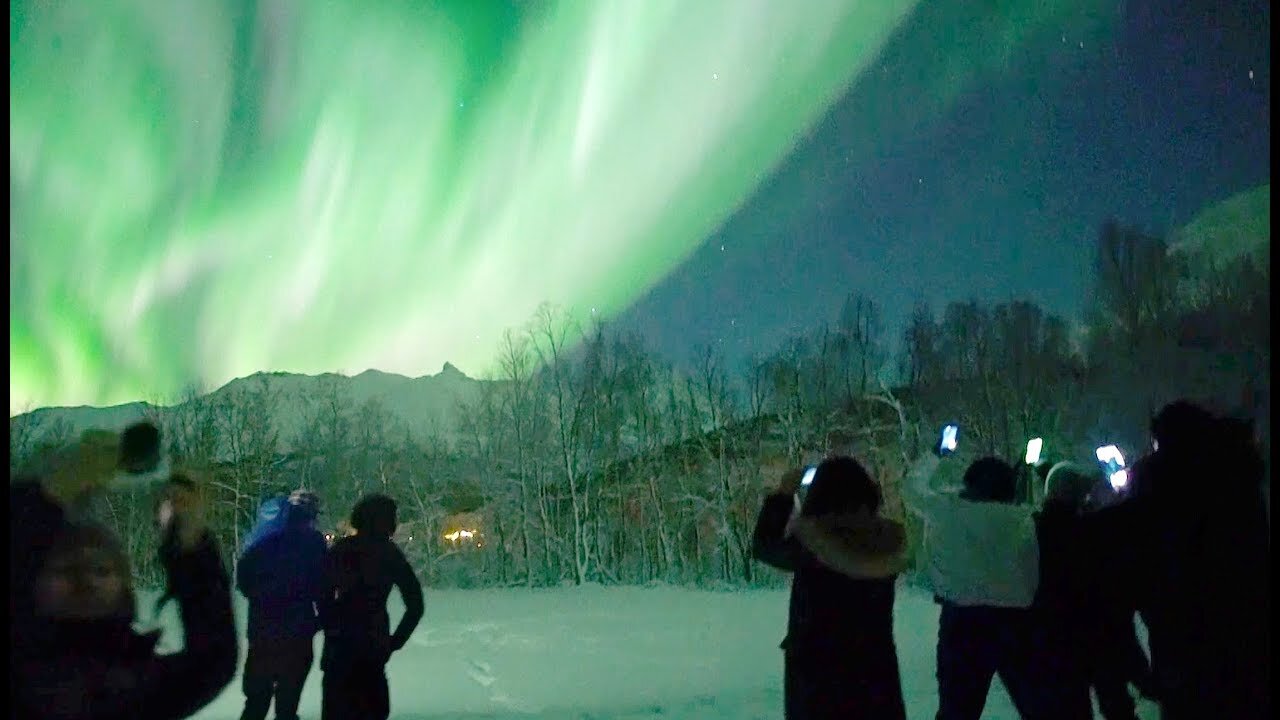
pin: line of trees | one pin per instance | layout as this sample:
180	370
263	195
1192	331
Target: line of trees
587	458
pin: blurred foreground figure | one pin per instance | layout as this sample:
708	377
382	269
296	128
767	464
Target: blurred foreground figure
282	574
1193	547
839	654
360	571
72	651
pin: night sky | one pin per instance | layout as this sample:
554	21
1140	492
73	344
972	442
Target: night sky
1164	110
201	191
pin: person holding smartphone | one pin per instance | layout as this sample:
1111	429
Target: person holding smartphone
982	559
839	656
73	652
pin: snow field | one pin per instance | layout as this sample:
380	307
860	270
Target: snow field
597	653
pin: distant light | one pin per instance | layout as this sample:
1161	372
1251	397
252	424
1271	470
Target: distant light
1250	74
1119	479
950	437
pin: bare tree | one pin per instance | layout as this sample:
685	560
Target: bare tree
858	343
551	334
244	417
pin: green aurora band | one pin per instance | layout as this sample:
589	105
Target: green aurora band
203	190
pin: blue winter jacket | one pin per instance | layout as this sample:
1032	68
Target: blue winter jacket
282	575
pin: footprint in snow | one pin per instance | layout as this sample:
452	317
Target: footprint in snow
481	672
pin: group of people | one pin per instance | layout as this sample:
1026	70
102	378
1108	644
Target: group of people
298	586
1045	597
76	655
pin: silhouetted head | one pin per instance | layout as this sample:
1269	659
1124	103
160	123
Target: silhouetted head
140	448
990	479
1070	484
85	576
841	485
304	507
1181	425
374	515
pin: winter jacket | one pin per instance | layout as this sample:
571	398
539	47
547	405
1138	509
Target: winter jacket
283	578
976	553
360	571
1062	599
1191	547
1084	612
841	660
72	670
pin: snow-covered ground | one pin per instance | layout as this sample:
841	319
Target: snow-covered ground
613	652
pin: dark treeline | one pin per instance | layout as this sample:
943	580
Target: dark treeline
589	459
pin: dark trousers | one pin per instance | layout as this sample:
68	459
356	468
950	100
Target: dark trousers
831	686
276	668
974	645
354	691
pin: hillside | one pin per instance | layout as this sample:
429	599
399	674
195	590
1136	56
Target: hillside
427	404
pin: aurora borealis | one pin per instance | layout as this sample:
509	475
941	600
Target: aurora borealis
203	190
316	186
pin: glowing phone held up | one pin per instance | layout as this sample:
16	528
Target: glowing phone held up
1034	445
949	440
1113	461
809	473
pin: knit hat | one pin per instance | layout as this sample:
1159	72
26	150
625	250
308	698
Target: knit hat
1070	483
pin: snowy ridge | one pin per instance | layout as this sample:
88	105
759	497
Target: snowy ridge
425	405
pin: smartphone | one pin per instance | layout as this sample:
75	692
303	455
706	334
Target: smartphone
1108	454
950	438
809	473
1034	446
1113	461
